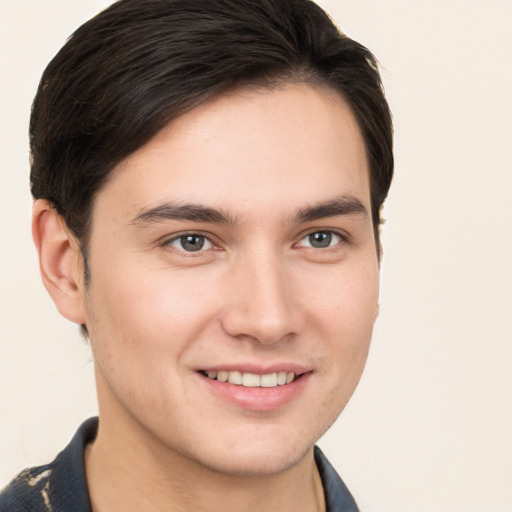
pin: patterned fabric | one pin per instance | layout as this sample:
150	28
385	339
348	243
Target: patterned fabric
61	486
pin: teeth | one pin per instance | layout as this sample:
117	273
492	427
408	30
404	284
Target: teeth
269	381
252	380
235	377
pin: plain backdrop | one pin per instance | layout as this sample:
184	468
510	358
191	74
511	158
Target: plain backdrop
430	427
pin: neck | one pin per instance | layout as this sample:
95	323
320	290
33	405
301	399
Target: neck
126	471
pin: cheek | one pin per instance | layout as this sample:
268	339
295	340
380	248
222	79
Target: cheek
346	314
140	319
346	300
358	313
142	327
146	298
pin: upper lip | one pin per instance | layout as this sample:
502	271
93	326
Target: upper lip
257	369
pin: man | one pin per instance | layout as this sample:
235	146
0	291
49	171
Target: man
208	178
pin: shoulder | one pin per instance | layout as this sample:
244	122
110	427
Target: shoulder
28	491
57	487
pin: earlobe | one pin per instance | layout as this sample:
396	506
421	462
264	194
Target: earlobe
60	261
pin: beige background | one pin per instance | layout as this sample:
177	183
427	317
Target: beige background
430	427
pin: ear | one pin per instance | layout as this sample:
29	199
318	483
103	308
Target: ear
60	261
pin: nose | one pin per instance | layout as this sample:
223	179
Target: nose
263	303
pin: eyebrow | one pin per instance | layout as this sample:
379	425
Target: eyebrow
188	211
345	205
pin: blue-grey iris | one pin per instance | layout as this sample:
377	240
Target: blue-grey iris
320	239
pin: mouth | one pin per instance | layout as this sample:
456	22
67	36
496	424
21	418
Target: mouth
256	389
252	380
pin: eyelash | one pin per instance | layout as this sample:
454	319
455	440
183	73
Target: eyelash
339	237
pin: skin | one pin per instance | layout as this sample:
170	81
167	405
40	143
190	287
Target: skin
257	293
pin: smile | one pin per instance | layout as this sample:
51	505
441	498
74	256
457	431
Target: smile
252	380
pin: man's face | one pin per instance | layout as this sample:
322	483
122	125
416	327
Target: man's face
237	243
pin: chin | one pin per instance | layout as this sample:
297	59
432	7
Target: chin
253	463
260	451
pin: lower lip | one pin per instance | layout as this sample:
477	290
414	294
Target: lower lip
257	398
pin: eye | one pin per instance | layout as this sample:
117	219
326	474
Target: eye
321	240
190	242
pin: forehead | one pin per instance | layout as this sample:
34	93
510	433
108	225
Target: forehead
247	151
